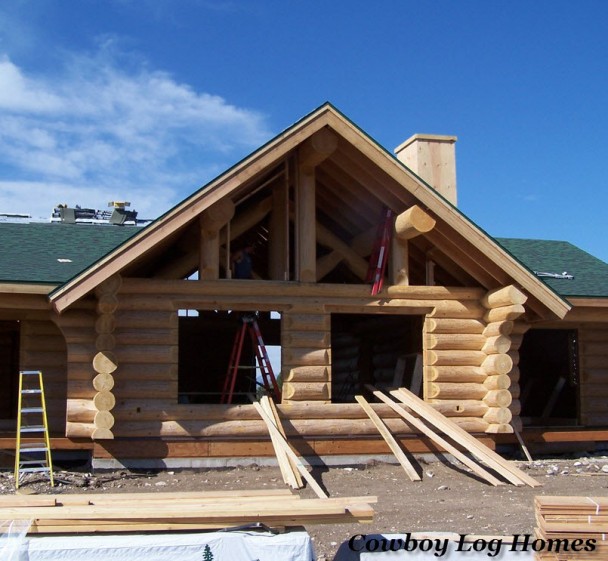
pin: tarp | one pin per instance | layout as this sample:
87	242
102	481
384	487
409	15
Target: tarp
214	546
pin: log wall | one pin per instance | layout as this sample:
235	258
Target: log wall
123	360
593	357
306	355
42	347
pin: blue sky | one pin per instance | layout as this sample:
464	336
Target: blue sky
147	100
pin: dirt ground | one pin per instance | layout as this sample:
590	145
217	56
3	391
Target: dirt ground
446	500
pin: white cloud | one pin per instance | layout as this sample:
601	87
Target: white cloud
95	132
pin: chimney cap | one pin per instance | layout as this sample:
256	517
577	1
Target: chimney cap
425	137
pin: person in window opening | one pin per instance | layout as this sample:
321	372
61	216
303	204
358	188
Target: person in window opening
242	263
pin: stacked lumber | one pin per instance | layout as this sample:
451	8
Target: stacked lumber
212	510
582	521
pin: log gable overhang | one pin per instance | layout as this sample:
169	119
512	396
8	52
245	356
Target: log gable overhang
392	184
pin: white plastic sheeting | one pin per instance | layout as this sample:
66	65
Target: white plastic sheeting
216	546
12	538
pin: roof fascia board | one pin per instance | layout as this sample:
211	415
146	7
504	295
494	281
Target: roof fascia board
189	209
26	288
448	213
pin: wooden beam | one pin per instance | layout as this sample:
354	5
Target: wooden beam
316	149
278	240
305	227
389	439
437	439
413	222
290	453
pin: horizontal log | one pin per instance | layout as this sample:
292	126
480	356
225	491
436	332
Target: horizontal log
505	296
79	430
147	354
598	362
498	382
306	357
498	398
498	328
81	389
516	341
452	341
594	336
54	342
455	326
150	336
595	349
152	389
498	415
306	391
514	356
313	339
308	374
80	411
105	323
520	327
456	374
516	424
515	407
104	401
460	407
102	434
154	371
412	223
306	322
448	390
103	420
497	344
105	342
454	309
499	429
497	364
79	335
515	390
514	374
455	358
504	313
105	362
146	319
40	328
236	429
39	359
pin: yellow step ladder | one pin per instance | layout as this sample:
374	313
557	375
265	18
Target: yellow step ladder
31	419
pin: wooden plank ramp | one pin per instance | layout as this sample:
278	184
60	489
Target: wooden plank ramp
506	469
136	512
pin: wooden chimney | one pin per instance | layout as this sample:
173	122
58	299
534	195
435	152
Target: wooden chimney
433	159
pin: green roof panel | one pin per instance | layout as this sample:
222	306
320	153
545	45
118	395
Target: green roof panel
590	274
50	253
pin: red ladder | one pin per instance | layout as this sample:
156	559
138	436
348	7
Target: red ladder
379	257
269	381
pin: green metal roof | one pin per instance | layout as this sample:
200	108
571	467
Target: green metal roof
49	253
558	257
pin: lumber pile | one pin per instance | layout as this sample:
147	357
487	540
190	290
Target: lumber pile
212	510
572	528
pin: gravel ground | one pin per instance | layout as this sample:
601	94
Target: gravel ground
446	500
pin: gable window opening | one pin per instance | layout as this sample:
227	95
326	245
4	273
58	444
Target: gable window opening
206	359
384	351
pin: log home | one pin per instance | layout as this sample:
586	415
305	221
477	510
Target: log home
133	327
